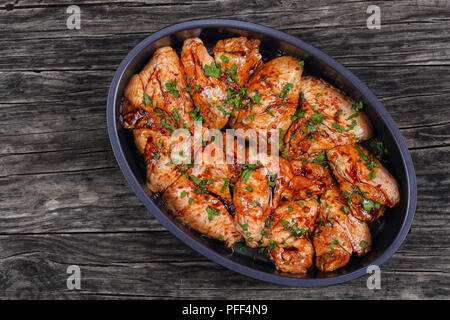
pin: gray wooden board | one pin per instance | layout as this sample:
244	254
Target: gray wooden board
64	201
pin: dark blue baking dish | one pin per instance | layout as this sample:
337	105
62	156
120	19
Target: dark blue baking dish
387	235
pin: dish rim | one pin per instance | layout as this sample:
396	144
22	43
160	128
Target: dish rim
210	253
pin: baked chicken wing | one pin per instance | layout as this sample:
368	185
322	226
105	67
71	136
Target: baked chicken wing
339	233
238	57
160	87
301	179
366	182
327	119
271	97
290	234
200	211
205	85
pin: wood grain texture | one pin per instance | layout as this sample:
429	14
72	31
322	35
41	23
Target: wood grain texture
64	201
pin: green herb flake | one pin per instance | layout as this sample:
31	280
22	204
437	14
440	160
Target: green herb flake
224	58
334	243
213	70
147	99
172	88
212	212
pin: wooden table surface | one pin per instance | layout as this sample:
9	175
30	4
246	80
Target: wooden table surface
64	201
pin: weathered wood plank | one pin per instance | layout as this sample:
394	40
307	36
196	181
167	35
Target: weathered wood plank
37	102
157	264
358	47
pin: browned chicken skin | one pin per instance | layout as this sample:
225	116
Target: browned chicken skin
201	211
252	203
328	118
207	89
161	86
339	233
369	186
302	179
238	58
290	245
273	93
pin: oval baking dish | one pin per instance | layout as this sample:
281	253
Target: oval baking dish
387	236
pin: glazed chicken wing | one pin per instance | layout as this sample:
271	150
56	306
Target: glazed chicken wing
328	118
158	150
252	203
339	233
303	178
367	183
160	86
211	169
271	97
238	58
206	88
200	211
290	245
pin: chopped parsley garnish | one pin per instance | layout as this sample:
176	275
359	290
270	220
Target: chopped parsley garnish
369	163
379	149
247	171
336	126
212	212
353	116
167	126
301	63
172	88
352	125
231	73
298	114
293	229
225	185
268	110
334	243
213	70
195	114
317	118
221	109
320	158
147	99
358	106
243	226
363	244
257	98
224	58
